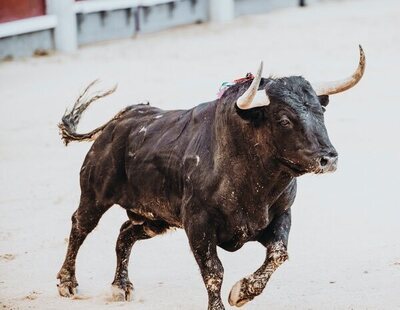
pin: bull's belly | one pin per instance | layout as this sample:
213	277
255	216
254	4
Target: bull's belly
157	209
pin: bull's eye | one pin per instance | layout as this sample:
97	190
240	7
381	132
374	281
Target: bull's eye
285	122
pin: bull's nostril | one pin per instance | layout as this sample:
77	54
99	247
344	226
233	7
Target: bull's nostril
323	161
333	154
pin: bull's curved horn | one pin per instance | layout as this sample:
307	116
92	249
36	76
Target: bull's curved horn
334	87
252	97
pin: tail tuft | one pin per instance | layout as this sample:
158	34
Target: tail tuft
70	119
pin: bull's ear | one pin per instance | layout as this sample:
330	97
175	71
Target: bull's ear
323	100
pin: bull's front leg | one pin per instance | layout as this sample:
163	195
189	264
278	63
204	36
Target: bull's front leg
202	239
275	239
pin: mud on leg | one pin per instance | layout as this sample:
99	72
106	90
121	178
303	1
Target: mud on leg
202	240
131	231
275	238
84	220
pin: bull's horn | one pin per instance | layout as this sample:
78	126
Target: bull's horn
334	87
252	97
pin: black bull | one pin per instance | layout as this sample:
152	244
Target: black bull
224	174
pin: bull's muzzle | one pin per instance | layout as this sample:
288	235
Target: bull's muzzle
327	163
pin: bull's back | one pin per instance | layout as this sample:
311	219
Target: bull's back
138	160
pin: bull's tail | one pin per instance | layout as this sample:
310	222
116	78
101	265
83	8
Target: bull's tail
70	119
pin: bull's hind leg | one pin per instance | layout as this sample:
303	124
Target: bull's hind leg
84	220
275	239
135	229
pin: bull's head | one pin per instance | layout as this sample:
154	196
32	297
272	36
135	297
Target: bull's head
295	110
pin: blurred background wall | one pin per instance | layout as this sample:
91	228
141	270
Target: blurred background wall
37	26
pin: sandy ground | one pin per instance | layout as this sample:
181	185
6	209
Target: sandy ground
344	245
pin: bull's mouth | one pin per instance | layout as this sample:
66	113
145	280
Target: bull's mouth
294	168
320	165
329	169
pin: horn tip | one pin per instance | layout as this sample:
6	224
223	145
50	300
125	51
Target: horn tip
362	56
362	53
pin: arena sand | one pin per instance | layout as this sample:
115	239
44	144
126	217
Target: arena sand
344	245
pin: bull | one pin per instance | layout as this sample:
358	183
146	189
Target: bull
225	171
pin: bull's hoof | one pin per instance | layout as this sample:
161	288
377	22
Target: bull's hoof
122	292
67	289
236	297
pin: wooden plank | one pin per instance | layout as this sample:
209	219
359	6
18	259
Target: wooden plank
93	6
27	25
101	5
